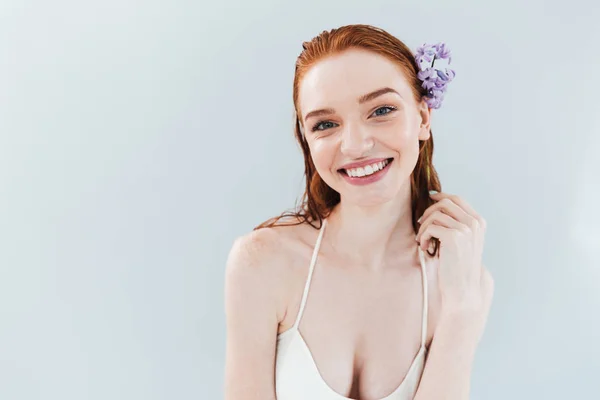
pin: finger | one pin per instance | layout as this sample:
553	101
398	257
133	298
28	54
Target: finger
439	218
435	231
448	207
460	202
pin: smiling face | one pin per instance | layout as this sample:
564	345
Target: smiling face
362	124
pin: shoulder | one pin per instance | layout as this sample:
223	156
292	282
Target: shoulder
253	258
263	263
262	249
252	251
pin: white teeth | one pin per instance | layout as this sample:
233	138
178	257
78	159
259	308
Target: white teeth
368	170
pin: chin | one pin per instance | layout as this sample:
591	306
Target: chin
378	193
364	197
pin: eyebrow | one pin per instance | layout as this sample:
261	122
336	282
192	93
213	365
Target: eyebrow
362	99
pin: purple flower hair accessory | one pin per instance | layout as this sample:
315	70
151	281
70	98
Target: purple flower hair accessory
435	80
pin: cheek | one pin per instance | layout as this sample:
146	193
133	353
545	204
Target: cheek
323	154
399	137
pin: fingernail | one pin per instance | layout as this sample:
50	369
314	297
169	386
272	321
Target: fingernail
419	220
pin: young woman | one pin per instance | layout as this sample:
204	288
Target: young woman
373	288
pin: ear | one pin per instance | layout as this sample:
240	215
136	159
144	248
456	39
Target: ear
425	117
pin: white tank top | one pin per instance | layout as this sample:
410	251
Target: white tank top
296	374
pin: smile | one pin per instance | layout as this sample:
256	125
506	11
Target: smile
367	174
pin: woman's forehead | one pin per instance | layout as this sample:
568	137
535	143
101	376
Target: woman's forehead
345	77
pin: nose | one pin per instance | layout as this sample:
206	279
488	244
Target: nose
356	142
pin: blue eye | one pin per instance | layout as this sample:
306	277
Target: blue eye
323	125
389	109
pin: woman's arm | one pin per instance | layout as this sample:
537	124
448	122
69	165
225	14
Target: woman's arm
447	373
466	291
251	318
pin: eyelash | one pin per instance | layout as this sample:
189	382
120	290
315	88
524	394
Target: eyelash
391	108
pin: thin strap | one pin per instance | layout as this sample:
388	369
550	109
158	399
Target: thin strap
425	299
313	261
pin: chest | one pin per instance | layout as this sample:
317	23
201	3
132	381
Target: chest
363	330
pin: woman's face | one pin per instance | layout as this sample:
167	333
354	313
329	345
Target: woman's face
357	106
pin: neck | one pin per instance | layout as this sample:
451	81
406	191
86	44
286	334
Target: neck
367	235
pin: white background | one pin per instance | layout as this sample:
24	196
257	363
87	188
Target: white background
138	139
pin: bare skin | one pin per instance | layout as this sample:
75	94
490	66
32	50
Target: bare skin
362	324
